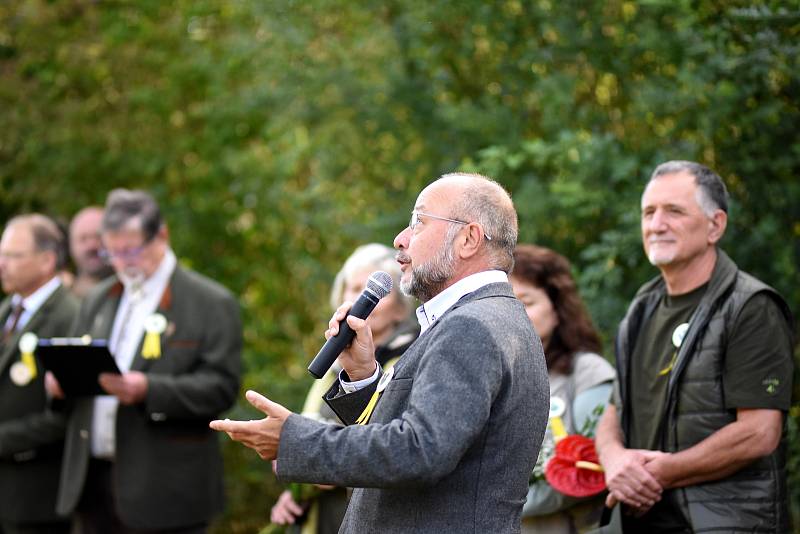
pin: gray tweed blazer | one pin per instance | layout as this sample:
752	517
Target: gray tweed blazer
454	436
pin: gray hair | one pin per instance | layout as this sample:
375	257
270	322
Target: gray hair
712	194
124	205
371	256
486	202
47	235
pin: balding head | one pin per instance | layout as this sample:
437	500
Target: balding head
479	199
32	251
47	236
462	224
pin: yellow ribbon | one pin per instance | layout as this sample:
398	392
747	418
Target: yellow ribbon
27	345
363	419
30	363
557	409
666	370
151	348
557	426
154	325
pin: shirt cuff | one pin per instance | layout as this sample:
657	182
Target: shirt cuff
352	387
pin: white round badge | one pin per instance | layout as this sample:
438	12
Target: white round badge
385	379
28	343
20	374
155	323
557	407
679	333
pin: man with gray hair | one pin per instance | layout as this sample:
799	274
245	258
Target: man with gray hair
444	441
695	440
32	252
141	458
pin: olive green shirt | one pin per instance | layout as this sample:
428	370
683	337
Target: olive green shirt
756	375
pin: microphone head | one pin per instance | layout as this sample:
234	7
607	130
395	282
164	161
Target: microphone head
380	284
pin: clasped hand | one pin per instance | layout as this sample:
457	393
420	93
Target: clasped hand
631	482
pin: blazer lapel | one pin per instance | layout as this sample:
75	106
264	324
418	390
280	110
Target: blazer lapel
141	363
40	316
7	348
414	352
32	325
103	321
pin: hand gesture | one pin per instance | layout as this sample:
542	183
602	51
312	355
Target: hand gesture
261	435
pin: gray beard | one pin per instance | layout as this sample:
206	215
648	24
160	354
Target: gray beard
132	279
430	279
658	261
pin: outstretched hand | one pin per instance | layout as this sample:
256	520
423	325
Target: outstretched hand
261	435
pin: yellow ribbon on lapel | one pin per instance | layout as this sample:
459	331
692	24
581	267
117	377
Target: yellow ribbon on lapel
27	344
154	326
363	419
557	409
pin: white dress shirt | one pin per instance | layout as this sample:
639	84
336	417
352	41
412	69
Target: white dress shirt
431	311
32	302
136	304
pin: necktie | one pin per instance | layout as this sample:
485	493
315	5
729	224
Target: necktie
16	313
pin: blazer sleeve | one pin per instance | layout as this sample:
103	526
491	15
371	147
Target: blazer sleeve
348	406
29	432
40	428
448	407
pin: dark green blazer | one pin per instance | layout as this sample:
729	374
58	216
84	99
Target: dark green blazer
167	471
31	434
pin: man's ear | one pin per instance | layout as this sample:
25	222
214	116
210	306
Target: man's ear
49	262
470	240
717	224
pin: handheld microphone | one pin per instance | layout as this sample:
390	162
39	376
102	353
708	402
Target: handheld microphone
379	285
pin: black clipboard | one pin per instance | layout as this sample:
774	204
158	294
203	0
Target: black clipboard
76	362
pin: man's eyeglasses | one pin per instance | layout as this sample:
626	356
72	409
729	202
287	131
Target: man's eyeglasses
13	256
415	220
127	254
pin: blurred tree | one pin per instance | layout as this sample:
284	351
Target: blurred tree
280	135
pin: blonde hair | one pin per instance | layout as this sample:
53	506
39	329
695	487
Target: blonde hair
372	256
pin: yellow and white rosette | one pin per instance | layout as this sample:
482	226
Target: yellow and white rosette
677	340
363	419
557	409
23	371
154	326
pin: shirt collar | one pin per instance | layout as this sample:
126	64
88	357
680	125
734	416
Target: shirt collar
431	311
160	278
35	300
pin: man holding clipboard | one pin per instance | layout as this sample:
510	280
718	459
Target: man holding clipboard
32	251
141	458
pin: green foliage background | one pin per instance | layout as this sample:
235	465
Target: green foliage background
280	135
